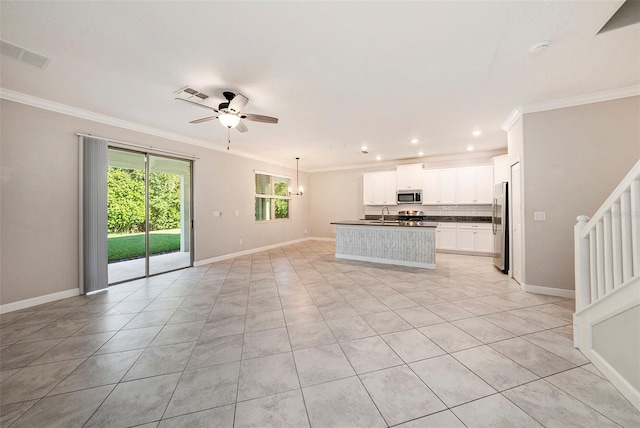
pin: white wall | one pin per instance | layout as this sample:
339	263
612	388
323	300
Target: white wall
39	200
571	159
620	332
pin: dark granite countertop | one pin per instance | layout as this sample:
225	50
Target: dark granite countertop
458	219
386	223
440	218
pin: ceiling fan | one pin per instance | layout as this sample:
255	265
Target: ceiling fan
229	112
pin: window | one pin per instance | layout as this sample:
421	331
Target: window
272	197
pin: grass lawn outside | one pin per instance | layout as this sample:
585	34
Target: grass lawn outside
131	246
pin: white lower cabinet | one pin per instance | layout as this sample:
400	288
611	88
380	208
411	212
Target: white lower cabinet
465	237
446	236
484	241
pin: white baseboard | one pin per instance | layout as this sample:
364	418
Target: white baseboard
247	252
464	253
621	384
35	301
623	298
317	238
549	291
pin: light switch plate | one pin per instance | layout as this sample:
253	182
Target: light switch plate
540	216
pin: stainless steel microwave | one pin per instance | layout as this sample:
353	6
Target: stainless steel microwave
409	197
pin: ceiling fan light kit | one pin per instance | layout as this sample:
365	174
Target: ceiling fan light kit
228	112
229	120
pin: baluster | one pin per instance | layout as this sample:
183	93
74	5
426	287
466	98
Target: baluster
635	226
616	244
600	258
625	230
593	264
608	253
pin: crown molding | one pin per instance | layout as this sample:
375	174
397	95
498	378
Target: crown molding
407	161
41	103
594	97
511	120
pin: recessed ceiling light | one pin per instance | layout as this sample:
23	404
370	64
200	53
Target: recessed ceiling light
378	157
539	47
414	141
470	148
420	153
476	133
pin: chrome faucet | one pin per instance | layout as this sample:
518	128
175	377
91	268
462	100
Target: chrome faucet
383	208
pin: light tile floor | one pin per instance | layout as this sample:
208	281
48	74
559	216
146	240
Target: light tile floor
294	338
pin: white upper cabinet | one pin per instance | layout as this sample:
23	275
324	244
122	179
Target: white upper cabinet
484	184
430	187
379	188
447	184
409	177
368	188
474	185
465	186
439	186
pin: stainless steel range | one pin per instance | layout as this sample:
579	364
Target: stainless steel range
410	217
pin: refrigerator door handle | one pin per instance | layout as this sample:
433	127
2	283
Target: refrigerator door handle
493	214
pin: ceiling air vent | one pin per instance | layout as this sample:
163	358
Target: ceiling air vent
627	14
22	54
190	92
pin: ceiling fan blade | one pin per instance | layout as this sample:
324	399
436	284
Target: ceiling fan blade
204	119
242	127
260	118
238	102
197	104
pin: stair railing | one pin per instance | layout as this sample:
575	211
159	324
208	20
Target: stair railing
607	246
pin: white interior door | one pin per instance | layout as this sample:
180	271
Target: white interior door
516	223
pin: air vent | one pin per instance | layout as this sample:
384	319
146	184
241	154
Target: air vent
22	54
190	92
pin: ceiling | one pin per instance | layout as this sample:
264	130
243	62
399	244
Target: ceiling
338	75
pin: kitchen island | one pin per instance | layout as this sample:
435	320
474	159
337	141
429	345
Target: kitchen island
410	243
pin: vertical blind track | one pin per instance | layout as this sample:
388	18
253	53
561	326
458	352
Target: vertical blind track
138	146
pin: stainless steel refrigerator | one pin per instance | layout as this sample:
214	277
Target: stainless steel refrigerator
500	222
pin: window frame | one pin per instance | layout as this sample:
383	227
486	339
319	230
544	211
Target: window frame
272	197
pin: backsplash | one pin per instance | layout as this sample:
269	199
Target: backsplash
435	210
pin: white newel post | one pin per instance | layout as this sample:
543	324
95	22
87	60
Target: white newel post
635	225
582	271
582	258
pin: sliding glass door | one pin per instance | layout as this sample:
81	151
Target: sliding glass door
149	214
169	214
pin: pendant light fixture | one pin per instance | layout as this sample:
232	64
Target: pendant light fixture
299	192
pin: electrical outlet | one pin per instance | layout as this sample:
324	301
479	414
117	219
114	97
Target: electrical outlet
240	241
540	216
237	213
